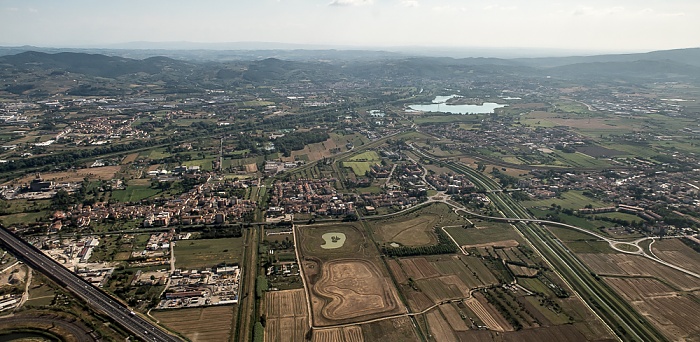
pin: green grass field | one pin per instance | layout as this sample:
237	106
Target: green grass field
579	159
134	193
359	168
571	199
366	156
191	254
13	219
158	154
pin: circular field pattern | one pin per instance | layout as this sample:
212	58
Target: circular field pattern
333	240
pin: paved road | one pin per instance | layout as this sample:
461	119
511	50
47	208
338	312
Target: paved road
94	297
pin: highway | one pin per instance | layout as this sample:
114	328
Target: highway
94	297
617	314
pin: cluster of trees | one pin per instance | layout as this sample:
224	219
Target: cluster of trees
221	232
444	246
298	140
504	179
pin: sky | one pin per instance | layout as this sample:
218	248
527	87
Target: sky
601	25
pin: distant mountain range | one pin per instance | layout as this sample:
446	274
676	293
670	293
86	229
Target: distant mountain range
668	65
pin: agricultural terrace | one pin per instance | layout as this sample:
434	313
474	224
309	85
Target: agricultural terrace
361	163
214	323
286	316
206	253
416	228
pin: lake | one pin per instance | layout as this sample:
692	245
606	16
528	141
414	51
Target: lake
438	105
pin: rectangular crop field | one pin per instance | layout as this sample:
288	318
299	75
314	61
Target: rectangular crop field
633	265
201	324
287	316
194	254
673	314
134	193
484	233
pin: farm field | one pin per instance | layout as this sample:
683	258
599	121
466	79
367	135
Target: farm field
359	168
398	329
349	290
286	314
134	193
415	228
484	233
675	315
103	172
351	333
614	264
571	199
677	253
342	270
206	253
213	323
432	279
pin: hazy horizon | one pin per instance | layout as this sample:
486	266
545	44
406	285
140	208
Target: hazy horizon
596	26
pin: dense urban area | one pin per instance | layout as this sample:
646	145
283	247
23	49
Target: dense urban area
357	197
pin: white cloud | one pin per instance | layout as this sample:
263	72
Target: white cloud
449	8
409	3
500	8
350	2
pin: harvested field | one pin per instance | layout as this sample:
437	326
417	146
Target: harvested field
130	158
351	289
418	268
439	329
346	334
416	228
398	329
636	289
417	231
676	252
104	173
453	317
484	315
633	265
522	271
417	300
495	244
475	336
564	332
674	315
396	270
444	287
201	324
287	317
